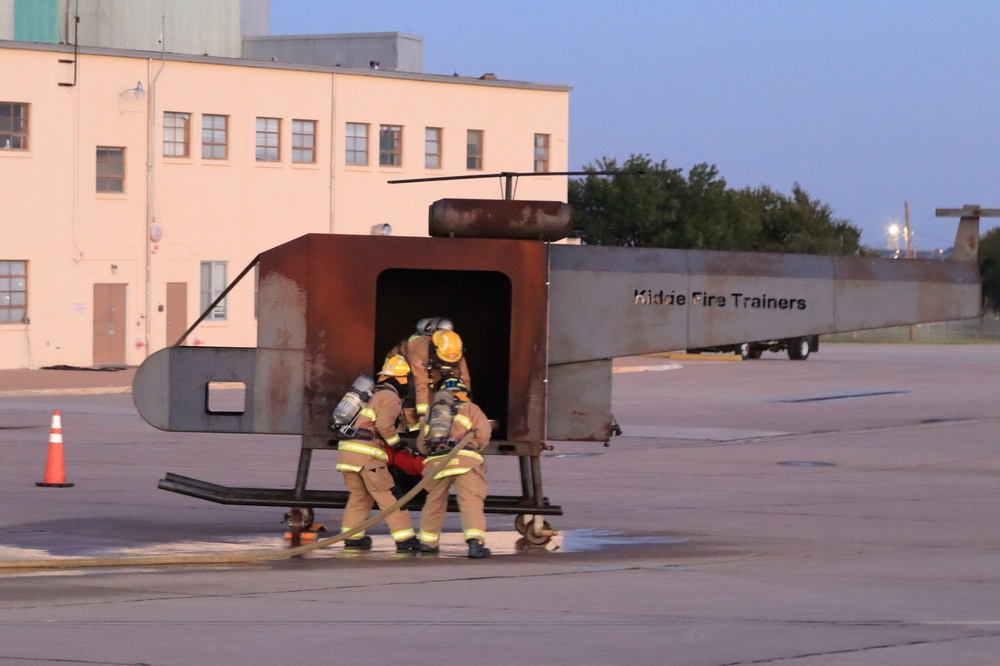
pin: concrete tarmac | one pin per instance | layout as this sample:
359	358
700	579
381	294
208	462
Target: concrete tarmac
842	510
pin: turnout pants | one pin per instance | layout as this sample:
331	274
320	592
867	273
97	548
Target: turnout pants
373	485
470	491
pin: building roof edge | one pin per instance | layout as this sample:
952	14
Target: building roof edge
267	64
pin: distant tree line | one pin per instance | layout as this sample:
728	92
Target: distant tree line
989	267
664	208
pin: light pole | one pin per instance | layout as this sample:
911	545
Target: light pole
909	255
893	243
906	210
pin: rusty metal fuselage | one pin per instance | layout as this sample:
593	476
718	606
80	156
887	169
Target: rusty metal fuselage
342	302
331	306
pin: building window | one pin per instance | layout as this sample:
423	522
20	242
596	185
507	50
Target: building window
214	137
304	141
432	147
268	139
110	169
13	126
474	150
13	291
357	144
176	134
541	153
390	145
213	283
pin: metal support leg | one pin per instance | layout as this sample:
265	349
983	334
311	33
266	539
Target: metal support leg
536	480
305	457
526	481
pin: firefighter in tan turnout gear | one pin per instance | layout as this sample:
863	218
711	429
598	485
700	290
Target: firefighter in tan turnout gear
364	459
452	416
434	357
424	328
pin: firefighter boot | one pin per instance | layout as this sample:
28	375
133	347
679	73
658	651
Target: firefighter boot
428	549
364	543
477	549
411	545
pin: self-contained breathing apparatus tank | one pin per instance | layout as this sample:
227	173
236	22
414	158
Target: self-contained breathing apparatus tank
347	410
439	422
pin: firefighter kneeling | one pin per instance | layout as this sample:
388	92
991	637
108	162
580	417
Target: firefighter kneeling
451	417
363	459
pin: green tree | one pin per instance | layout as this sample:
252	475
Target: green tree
798	224
634	210
662	207
989	266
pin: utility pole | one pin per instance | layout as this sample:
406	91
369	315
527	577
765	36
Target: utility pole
906	211
909	255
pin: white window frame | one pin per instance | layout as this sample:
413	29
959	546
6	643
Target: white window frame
14	126
13	291
390	145
176	134
433	147
304	141
213	283
110	171
211	133
474	141
267	140
541	160
356	144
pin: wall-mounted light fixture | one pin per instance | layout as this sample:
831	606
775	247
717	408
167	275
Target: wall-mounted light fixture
381	229
138	93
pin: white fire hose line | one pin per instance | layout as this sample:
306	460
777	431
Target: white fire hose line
245	558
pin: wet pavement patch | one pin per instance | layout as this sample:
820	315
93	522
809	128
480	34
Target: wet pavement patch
41	545
582	540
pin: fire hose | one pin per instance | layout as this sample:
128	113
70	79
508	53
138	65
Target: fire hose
245	558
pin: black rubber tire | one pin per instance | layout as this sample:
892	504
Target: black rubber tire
536	540
521	523
798	349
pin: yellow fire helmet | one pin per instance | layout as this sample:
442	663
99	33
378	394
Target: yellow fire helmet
395	366
448	346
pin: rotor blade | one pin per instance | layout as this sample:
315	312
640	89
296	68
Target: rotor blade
508	174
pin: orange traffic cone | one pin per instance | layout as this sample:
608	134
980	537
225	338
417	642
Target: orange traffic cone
55	467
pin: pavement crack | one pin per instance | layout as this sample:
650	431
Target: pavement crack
886	646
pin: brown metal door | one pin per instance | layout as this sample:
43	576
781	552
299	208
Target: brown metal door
176	311
109	324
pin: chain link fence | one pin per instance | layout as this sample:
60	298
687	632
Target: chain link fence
984	329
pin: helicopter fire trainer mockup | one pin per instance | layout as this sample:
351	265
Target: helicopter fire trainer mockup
541	321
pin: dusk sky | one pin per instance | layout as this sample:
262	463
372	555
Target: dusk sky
866	104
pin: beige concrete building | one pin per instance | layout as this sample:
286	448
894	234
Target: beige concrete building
136	185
